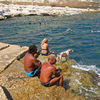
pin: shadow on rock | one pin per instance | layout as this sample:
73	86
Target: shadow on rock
66	84
9	97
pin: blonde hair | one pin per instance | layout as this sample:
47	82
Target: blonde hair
44	41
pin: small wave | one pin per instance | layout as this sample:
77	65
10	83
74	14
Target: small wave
87	68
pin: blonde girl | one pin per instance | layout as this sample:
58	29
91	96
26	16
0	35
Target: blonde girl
44	47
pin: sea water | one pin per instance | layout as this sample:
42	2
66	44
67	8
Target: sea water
28	30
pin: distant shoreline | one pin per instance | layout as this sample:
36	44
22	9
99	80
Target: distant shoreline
69	3
14	10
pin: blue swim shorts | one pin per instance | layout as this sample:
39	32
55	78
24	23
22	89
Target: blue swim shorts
32	73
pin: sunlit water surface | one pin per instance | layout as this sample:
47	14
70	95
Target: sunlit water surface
29	30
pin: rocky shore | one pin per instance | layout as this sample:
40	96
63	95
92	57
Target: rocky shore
16	85
14	10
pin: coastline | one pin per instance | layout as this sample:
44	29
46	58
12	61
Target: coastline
13	10
77	84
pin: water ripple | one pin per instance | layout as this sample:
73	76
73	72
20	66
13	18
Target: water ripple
29	30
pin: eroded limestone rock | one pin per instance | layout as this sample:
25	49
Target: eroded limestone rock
77	84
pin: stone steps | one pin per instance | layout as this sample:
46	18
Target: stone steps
8	53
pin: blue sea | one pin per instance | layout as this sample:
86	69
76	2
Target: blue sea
28	30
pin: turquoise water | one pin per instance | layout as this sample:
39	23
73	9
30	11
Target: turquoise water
27	30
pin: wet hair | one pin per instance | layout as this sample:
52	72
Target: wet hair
32	48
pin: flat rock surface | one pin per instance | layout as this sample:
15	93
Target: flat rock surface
3	45
8	53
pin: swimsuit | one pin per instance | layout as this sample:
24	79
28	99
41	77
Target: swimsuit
44	54
44	49
32	73
45	84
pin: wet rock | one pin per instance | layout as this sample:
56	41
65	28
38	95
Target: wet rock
44	58
3	17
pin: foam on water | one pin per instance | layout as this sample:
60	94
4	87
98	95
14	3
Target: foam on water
69	14
87	68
